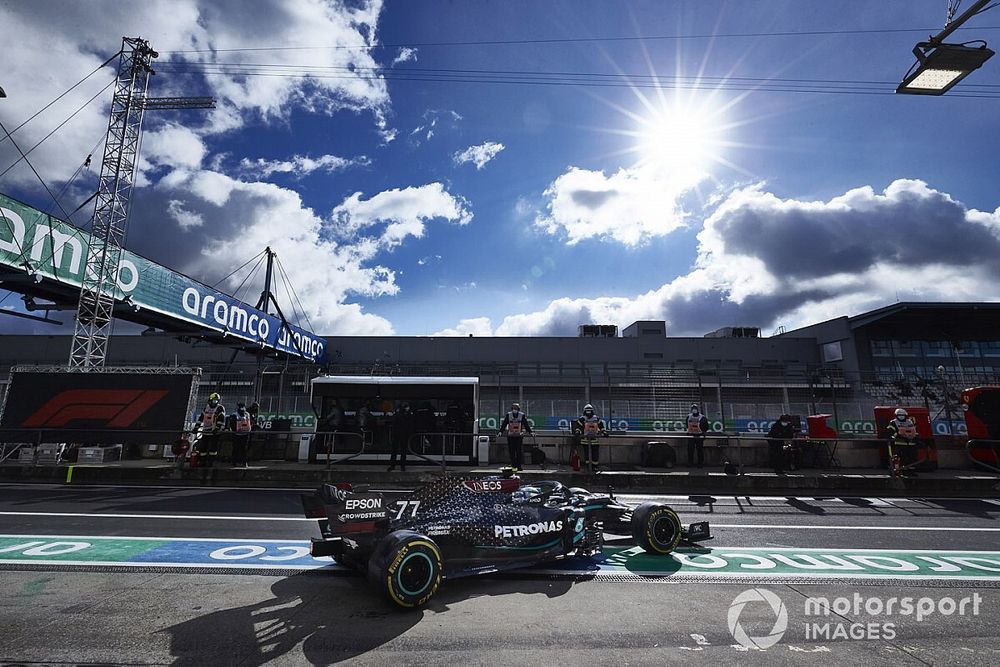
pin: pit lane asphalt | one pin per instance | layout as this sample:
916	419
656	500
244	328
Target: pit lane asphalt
61	615
275	514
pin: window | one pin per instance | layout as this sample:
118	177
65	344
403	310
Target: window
832	352
968	348
905	348
881	348
990	348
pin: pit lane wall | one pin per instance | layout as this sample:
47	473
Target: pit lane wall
40	245
627	448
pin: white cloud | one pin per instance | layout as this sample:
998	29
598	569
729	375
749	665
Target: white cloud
186	219
247	217
400	213
405	54
80	36
299	165
432	117
426	260
478	155
765	261
175	146
477	326
630	206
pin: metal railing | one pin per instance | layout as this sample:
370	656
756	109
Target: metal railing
447	437
329	441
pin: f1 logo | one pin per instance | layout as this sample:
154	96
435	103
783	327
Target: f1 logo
120	407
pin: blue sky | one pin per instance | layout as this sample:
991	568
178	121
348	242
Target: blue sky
520	168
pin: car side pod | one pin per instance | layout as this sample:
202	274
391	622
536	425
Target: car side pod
698	532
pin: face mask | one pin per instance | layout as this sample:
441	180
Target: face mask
784	423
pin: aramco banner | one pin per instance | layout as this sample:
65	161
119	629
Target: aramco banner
36	242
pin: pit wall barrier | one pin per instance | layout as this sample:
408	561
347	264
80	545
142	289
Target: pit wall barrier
623	449
627	449
54	446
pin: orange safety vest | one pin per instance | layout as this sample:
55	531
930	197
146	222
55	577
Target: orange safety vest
694	424
243	423
906	431
208	418
591	426
514	423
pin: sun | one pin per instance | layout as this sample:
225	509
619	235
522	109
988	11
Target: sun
679	138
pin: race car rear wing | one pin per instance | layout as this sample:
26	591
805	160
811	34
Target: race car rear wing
342	510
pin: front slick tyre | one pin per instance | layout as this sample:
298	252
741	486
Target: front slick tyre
407	568
656	528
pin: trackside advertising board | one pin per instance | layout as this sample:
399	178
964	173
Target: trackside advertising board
36	241
93	406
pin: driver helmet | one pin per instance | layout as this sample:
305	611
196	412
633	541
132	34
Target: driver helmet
588	409
901	414
694	408
213	399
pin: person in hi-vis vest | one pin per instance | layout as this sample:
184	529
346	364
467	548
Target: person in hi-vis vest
589	427
210	422
241	424
902	432
697	426
516	424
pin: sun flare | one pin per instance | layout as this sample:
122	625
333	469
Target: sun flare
679	139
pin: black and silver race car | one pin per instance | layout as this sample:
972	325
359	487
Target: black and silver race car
460	526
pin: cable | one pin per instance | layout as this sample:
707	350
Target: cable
238	269
34	171
284	283
234	68
83	165
63	95
248	281
293	297
605	81
24	156
570	40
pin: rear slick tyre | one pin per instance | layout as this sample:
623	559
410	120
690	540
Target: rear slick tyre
656	528
408	568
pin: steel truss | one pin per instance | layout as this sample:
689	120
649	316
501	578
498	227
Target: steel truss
100	276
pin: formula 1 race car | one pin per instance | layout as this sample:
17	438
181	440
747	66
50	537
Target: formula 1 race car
461	526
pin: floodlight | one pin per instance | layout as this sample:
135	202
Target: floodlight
937	72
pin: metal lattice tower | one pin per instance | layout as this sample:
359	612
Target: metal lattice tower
99	280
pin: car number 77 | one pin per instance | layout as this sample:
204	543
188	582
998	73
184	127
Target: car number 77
403	504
